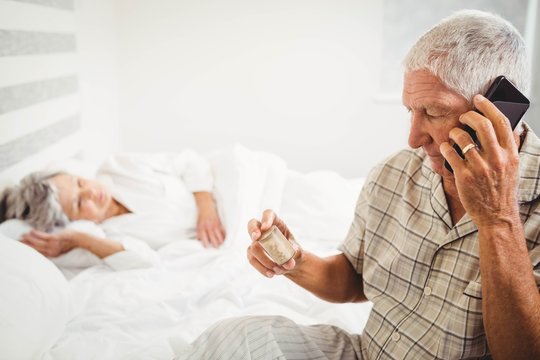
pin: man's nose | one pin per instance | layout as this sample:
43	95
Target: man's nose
417	134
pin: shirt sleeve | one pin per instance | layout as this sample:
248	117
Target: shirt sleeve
192	168
353	245
136	255
534	255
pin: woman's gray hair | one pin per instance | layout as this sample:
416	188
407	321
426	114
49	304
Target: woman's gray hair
468	50
34	200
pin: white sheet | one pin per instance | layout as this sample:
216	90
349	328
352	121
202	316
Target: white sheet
134	314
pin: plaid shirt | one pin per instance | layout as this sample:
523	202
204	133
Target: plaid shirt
421	272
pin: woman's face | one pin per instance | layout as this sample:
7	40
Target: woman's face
83	199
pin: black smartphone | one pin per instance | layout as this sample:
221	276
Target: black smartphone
508	99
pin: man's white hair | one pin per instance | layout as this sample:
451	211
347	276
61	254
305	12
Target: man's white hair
468	50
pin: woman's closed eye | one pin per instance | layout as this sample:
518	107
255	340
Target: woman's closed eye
79	200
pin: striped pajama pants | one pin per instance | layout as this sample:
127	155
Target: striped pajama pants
271	337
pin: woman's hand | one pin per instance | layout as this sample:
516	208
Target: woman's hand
210	231
487	180
257	256
50	245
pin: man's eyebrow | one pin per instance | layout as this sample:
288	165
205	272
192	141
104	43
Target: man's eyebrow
438	106
433	106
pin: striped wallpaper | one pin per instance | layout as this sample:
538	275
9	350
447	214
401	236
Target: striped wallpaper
39	86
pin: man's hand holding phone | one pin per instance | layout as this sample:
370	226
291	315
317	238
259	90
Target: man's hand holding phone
508	99
487	179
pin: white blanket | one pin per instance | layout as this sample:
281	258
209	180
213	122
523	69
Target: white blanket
136	314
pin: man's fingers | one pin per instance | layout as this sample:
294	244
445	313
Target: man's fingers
501	125
254	229
268	219
289	265
260	268
258	251
451	156
463	140
262	265
484	130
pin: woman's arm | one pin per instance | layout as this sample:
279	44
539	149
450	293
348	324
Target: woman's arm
210	231
53	245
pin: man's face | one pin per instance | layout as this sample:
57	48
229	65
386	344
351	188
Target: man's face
434	110
82	199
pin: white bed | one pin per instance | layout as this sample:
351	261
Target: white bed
145	313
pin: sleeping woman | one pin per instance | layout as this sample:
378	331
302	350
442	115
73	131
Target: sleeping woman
154	198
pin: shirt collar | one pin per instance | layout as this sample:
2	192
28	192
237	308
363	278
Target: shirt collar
529	167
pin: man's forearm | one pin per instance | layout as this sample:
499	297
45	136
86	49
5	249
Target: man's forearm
332	278
511	302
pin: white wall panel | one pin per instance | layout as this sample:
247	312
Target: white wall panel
15	15
22	69
39	86
33	118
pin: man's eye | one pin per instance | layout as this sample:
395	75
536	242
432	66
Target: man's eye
431	115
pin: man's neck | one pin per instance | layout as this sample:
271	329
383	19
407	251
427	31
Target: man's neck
455	207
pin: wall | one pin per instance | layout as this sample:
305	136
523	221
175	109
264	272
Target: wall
58	83
298	78
39	85
97	49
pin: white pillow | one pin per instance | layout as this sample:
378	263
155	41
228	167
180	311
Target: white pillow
319	206
35	305
245	183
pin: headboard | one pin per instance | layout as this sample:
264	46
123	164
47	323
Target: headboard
39	85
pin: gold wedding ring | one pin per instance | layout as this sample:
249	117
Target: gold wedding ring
467	148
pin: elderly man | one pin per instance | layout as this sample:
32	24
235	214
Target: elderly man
451	262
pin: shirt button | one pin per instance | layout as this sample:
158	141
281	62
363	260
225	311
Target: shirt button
396	337
427	291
